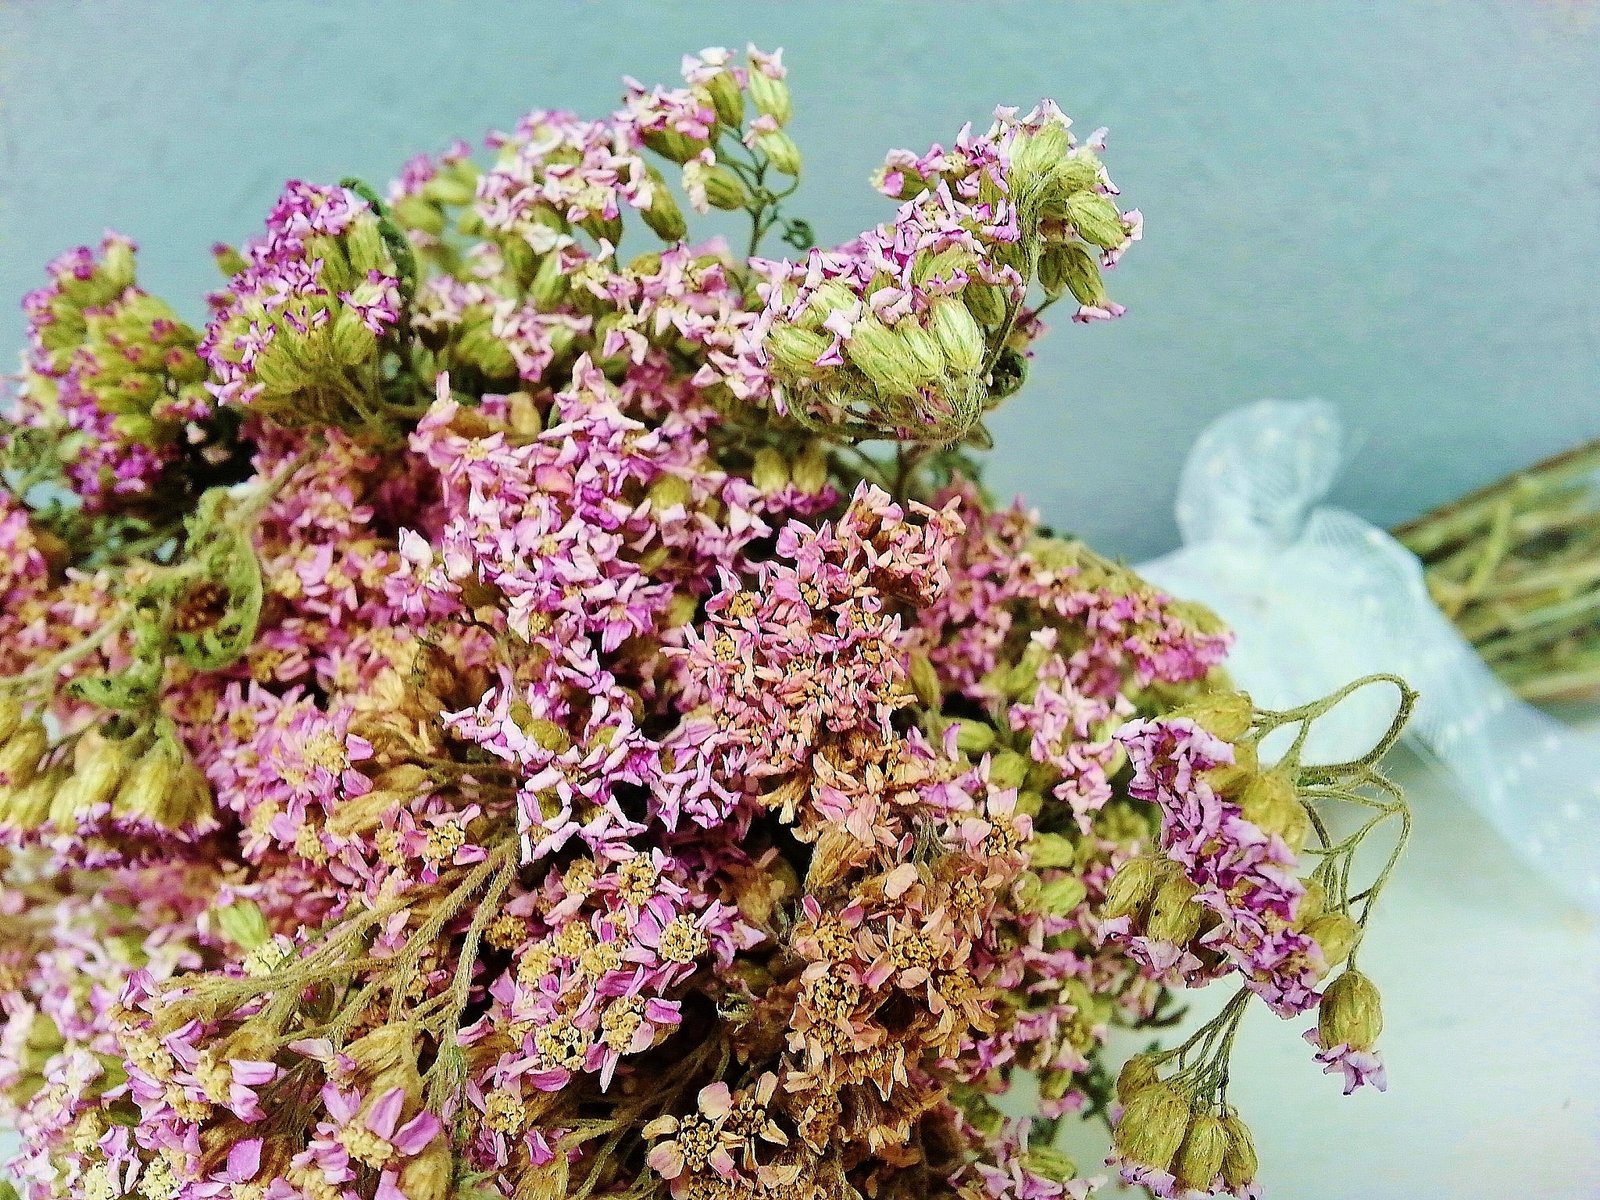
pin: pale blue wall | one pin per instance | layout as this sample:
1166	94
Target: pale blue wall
1395	206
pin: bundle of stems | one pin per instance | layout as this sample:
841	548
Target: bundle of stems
1516	566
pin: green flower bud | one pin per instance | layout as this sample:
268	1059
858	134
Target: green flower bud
1051	1164
726	98
930	694
229	261
10	717
1007	769
795	351
244	925
1226	715
548	288
1350	1013
1174	915
456	184
19	757
921	350
973	737
1096	219
770	96
781	151
1079	171
1039	151
151	782
724	189
1270	802
959	335
99	765
1048	849
1062	895
1137	1074
350	342
1336	935
1067	266
28	807
478	346
811	469
1029	804
770	474
1199	1160
1239	1158
987	302
1152	1127
663	215
364	246
1313	904
881	357
673	146
1132	887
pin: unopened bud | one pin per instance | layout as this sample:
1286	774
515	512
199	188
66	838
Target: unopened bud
429	1174
1096	219
770	96
1039	151
1270	802
959	335
810	470
99	765
724	189
1048	849
1008	769
28	807
1229	779
727	98
364	245
1225	715
987	302
10	717
662	214
1313	904
1137	1074
1200	1158
795	350
781	151
881	356
973	737
149	781
19	757
383	1050
1069	267
1152	1127
1336	935
1174	915
1079	171
770	473
1239	1163
669	492
1061	896
1132	887
930	694
243	924
1350	1013
1051	1164
350	342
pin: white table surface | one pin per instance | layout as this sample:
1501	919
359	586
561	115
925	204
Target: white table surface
1491	988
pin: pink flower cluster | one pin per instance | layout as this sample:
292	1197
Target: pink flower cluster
1244	874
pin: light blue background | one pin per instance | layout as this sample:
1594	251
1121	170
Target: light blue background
1393	206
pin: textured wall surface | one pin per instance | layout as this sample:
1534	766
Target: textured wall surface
1393	206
